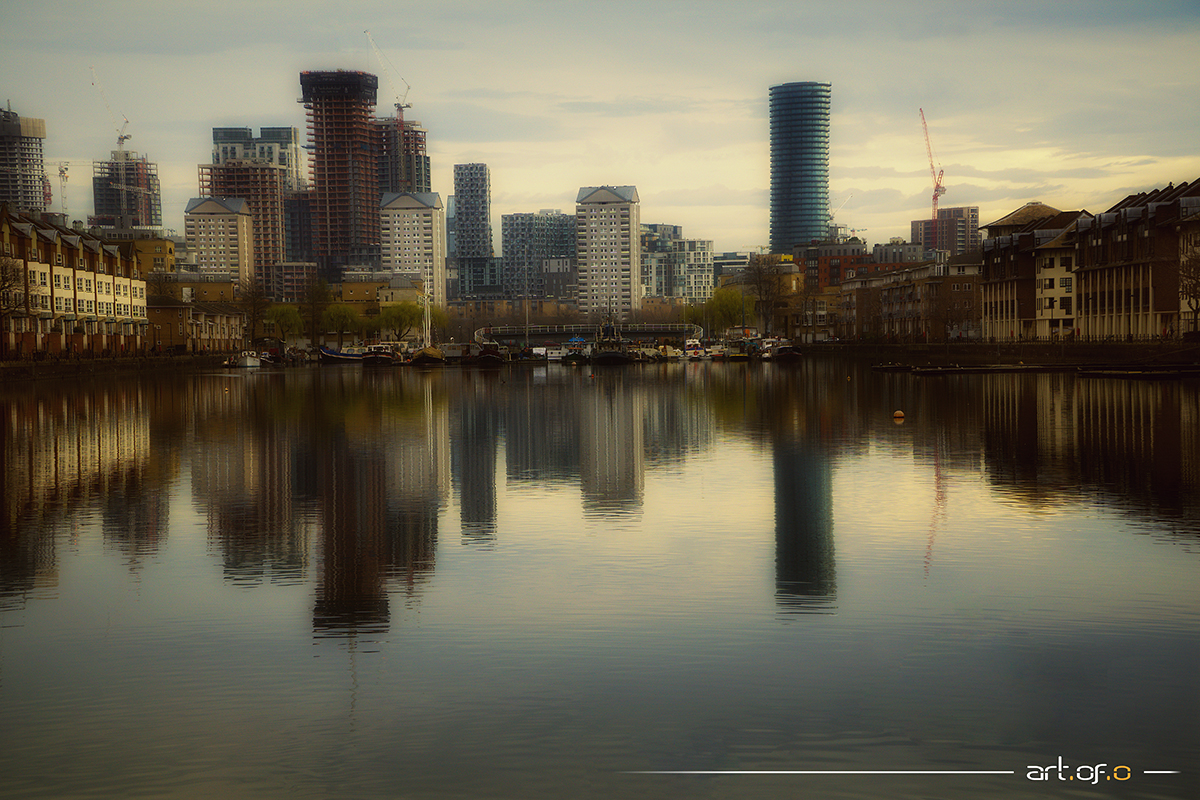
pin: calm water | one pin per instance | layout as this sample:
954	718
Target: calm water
553	583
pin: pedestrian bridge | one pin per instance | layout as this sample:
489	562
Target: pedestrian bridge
561	333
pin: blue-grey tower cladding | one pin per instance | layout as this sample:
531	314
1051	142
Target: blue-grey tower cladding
799	164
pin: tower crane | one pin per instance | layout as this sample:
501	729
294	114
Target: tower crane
383	63
122	136
938	188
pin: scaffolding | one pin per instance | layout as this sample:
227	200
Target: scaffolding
345	185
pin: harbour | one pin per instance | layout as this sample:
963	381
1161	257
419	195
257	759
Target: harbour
692	578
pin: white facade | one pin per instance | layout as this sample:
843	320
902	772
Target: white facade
413	239
608	242
220	235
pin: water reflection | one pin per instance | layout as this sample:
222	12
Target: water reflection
343	477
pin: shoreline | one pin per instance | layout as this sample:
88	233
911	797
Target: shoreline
1064	355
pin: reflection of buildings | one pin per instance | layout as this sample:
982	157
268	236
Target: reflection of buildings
479	419
805	573
1051	437
612	443
64	454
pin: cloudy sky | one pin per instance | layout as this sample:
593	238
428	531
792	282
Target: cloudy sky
1074	104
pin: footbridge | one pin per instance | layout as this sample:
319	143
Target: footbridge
562	333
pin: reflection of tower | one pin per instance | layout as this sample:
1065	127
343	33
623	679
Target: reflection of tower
805	573
476	467
351	598
612	459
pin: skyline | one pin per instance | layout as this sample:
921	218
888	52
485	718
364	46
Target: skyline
1075	107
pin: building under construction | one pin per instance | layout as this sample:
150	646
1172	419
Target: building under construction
260	184
126	192
403	160
345	185
22	167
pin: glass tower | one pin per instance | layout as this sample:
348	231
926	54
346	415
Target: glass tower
799	164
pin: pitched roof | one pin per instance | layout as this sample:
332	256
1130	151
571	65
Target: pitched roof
608	194
219	205
1030	212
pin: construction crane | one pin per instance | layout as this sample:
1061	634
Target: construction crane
936	174
122	136
401	103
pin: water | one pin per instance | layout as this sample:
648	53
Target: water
547	582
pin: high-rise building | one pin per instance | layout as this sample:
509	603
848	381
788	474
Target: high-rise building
473	229
126	192
220	235
529	242
345	199
260	183
608	245
23	181
799	115
413	233
673	266
957	231
279	146
403	160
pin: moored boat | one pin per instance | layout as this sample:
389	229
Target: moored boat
381	355
351	355
246	358
428	356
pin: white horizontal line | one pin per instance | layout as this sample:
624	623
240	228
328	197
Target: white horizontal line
823	772
1160	772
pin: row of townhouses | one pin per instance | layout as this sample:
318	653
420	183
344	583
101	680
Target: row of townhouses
68	292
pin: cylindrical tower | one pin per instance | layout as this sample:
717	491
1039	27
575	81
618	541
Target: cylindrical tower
799	115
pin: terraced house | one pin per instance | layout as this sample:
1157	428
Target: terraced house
65	291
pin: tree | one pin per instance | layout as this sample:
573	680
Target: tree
12	295
764	276
399	318
724	309
1189	282
162	284
285	318
253	300
317	297
341	318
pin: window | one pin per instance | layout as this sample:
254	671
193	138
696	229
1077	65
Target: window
1064	283
1049	283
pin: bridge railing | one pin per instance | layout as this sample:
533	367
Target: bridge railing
684	330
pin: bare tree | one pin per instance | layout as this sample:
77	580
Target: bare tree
1189	282
162	284
12	295
253	300
764	276
317	297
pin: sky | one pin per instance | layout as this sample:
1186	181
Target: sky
1073	104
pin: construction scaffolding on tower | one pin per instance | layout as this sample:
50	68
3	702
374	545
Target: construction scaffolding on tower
339	108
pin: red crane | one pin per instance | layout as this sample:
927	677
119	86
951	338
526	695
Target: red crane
936	174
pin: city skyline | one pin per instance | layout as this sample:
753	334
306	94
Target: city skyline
679	108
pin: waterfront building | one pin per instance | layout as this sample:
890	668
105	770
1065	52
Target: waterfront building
529	241
345	202
73	292
219	235
1133	269
608	246
23	182
478	274
1010	261
413	239
278	146
799	122
126	192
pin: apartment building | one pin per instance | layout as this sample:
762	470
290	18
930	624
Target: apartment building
608	247
220	236
413	239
